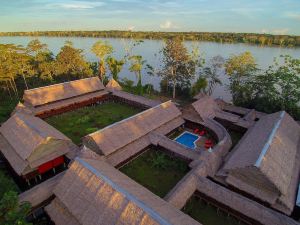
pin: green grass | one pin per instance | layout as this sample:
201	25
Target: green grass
6	108
156	171
78	123
207	214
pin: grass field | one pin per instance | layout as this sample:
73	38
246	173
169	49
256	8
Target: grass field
156	171
207	214
78	123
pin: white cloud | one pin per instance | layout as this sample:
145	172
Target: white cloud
79	5
282	31
293	15
168	25
131	28
264	31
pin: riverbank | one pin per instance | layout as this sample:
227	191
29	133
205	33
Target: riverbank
219	37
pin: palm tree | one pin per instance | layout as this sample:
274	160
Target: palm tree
115	66
102	49
136	67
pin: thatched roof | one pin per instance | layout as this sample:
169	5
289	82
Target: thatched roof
206	107
146	102
243	205
57	92
118	135
27	142
68	102
94	192
42	192
264	162
113	84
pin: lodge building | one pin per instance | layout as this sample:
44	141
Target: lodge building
255	181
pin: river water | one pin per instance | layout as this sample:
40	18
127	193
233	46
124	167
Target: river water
149	49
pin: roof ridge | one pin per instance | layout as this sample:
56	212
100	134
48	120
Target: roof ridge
126	119
27	123
269	141
52	85
121	190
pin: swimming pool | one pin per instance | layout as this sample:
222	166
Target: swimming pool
187	139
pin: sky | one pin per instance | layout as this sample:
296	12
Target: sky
255	16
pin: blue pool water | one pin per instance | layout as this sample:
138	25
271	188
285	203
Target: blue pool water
187	139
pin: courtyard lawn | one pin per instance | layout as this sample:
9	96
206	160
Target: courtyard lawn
78	123
156	171
208	214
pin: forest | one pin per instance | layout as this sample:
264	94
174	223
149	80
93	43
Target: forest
247	38
276	88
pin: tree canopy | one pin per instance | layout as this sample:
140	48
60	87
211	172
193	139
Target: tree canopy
221	37
178	68
102	49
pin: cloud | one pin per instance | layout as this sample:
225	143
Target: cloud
130	28
293	15
168	25
76	5
282	31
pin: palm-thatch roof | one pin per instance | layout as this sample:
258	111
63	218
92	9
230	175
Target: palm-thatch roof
206	107
27	142
94	192
111	138
113	84
53	93
137	99
265	163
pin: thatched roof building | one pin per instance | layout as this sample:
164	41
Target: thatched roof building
63	95
28	142
57	92
94	192
112	138
206	107
266	163
114	85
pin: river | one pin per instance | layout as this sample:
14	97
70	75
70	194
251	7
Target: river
149	49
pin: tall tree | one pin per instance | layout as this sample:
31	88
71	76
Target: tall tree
212	73
35	46
71	63
115	66
43	59
13	63
136	67
177	64
278	88
102	49
240	68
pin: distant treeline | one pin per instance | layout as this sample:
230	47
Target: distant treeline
248	38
